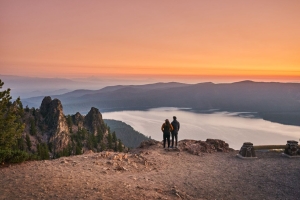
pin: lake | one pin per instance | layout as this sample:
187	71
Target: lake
230	127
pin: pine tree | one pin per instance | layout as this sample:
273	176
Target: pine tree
99	135
43	151
27	109
114	137
70	123
32	127
33	111
116	147
28	142
21	144
78	149
109	140
103	146
120	146
11	126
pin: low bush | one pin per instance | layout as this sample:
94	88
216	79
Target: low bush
8	156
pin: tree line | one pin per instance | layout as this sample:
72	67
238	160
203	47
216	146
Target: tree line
16	143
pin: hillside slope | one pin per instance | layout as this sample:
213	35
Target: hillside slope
130	137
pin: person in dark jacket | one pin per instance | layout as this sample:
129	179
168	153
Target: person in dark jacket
166	129
176	126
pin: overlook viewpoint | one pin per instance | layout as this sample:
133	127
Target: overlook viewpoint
150	172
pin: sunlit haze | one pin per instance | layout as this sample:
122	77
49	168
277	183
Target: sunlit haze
185	41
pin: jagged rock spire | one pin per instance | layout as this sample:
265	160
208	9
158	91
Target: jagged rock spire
54	118
93	120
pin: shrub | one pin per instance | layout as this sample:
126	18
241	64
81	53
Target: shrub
8	156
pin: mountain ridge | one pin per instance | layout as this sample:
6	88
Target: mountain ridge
274	101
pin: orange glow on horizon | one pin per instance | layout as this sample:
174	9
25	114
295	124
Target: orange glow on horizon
218	40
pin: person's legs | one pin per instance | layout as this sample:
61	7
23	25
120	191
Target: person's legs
176	139
168	138
173	134
164	136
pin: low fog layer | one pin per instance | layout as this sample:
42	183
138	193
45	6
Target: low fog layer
225	126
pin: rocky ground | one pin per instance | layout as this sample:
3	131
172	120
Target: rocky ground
151	172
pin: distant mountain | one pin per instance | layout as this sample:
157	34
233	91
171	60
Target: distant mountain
73	96
279	102
27	87
129	136
33	86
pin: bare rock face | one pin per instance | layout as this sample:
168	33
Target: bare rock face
56	122
44	109
209	146
93	120
78	120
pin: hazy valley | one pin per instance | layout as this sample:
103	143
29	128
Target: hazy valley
277	102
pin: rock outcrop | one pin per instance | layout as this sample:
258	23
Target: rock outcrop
49	129
93	120
148	143
58	131
44	109
197	147
78	120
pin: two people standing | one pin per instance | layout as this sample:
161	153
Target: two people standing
172	128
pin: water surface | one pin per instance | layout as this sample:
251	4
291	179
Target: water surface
230	127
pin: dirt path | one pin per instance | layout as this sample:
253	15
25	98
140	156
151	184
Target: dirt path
154	173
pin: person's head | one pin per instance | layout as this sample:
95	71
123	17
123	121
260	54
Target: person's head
167	121
174	117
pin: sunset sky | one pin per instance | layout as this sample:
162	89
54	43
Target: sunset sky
174	40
